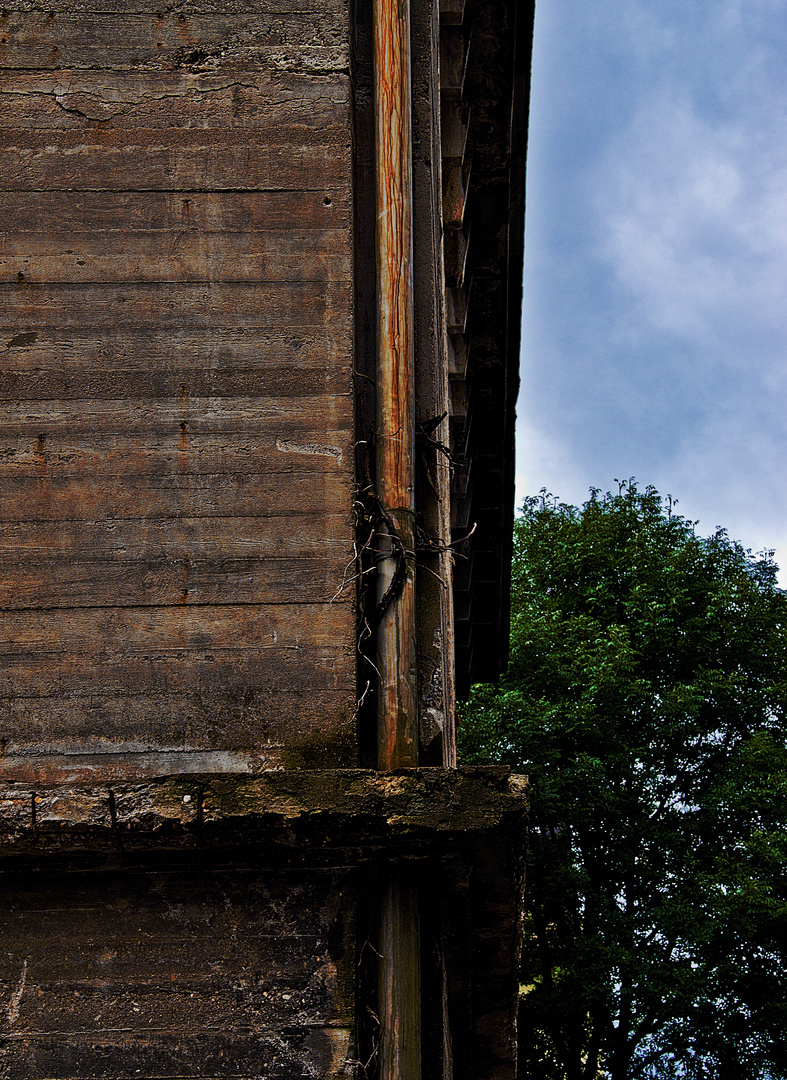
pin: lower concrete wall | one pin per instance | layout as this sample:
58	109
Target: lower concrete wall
175	972
218	926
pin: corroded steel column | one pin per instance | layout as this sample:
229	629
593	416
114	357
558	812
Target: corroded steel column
397	706
399	981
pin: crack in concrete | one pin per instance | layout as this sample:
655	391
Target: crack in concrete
16	997
105	108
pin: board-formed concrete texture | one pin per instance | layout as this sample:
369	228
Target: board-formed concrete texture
198	864
185	971
225	926
176	396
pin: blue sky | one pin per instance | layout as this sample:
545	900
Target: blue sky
655	314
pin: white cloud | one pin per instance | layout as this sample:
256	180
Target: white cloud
729	473
722	475
545	460
691	218
656	287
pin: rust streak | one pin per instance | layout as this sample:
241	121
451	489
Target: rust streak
397	742
397	725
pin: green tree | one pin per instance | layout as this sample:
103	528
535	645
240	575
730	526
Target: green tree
646	697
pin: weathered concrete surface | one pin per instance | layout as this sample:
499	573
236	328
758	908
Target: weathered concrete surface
215	926
176	406
345	805
219	926
187	971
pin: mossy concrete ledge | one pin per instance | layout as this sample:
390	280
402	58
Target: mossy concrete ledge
342	807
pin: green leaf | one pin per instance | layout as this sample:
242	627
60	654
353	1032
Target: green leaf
646	697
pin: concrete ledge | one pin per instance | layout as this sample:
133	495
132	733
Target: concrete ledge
358	807
123	868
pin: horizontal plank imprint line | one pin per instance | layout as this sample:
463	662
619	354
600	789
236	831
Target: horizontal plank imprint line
187	604
176	520
239	518
198	305
196	7
161	698
171	191
202	279
220	212
294	1030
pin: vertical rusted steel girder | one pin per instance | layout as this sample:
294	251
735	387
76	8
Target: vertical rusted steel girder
397	736
399	980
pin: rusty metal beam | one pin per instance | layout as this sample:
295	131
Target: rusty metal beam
399	982
396	644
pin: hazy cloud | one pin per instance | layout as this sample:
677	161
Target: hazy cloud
656	323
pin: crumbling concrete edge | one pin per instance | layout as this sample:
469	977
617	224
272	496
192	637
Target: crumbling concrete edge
357	806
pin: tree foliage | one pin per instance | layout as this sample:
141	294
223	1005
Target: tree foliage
646	697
